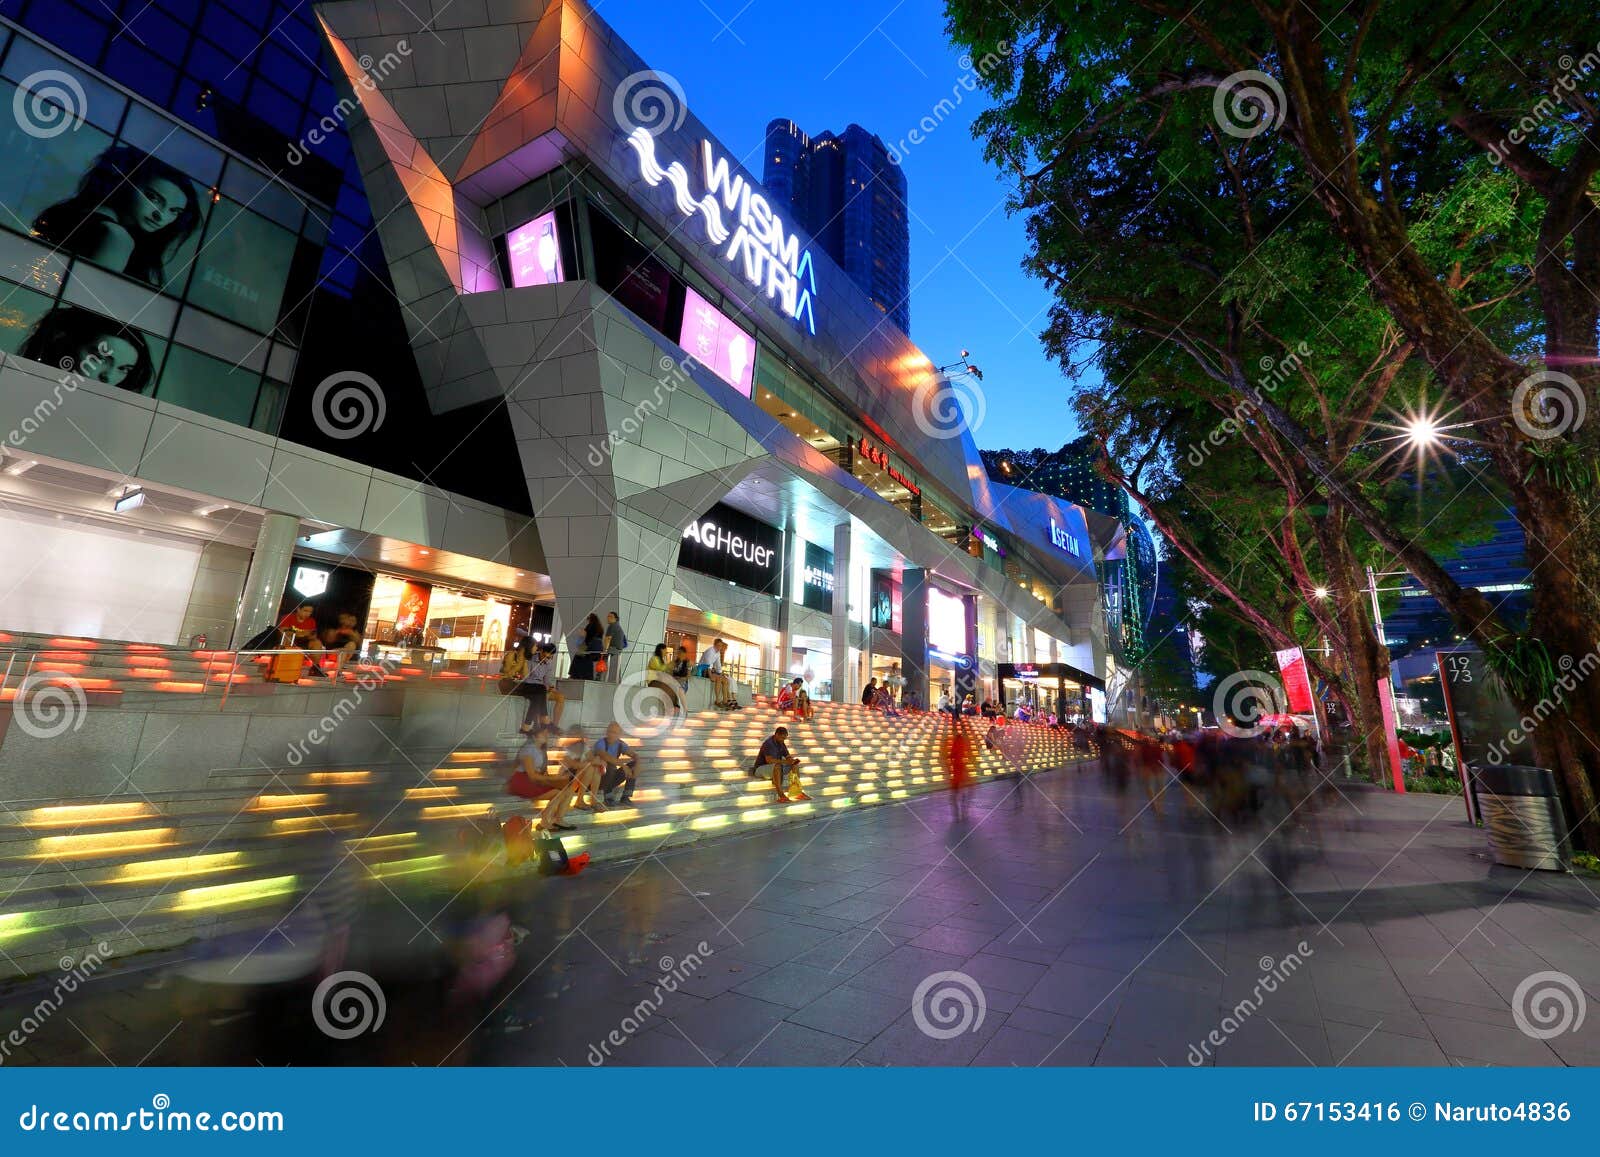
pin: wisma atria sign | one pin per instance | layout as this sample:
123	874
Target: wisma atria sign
757	243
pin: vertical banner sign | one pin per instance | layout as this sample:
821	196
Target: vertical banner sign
1296	681
1483	722
413	613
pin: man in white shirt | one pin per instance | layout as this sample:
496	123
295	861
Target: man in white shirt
538	688
711	666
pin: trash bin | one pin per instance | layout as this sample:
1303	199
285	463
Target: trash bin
1523	817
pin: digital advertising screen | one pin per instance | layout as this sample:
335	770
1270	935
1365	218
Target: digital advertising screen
535	252
717	343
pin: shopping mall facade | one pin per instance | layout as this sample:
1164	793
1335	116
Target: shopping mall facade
459	328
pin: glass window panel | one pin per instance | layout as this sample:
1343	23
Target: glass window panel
269	406
73	339
209	385
280	362
160	137
243	266
31	263
230	342
41	171
92	100
264	195
118	297
141	70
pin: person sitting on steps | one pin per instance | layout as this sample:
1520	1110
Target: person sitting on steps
534	780
619	766
785	767
711	667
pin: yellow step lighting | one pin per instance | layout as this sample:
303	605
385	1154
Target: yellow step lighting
298	825
430	792
373	843
451	773
706	823
341	777
232	895
649	831
414	867
272	803
455	811
177	868
73	815
104	843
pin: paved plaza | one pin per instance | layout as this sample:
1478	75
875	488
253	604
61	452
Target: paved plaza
1059	923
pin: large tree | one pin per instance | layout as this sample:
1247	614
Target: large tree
1449	155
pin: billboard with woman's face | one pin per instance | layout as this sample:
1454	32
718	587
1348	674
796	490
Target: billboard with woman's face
139	254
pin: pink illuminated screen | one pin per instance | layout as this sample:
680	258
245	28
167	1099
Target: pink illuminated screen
716	343
535	251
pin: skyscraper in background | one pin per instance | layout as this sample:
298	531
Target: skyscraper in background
845	191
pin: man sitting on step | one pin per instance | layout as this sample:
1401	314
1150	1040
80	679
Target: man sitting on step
774	753
619	766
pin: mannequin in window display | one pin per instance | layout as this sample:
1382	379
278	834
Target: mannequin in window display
130	213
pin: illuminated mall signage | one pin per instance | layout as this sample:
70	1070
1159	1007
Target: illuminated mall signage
816	580
758	244
880	457
1060	539
987	539
728	544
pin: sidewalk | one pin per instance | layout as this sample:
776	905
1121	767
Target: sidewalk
1036	928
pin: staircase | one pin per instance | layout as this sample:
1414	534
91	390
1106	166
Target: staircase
146	871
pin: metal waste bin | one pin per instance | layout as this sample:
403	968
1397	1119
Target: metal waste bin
1522	815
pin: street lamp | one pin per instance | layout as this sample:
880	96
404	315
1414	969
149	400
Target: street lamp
964	364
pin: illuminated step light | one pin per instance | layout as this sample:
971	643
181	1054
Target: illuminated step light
871	797
755	798
16	924
232	895
840	803
649	831
736	774
898	793
686	808
430	792
710	789
272	803
374	843
472	756
678	777
414	867
104	843
341	777
177	868
614	816
295	825
833	790
649	795
756	817
452	773
455	811
75	815
706	823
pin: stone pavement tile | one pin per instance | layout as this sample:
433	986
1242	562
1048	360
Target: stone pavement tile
827	923
718	974
791	985
1210	986
1352	1047
899	973
1023	947
1157	1014
1482	1013
1401	1023
905	1043
853	1013
1003	973
793	1044
1015	1046
990	924
1376	988
860	908
728	1022
1056	1026
1120	955
778	946
959	941
1122	1053
1079	991
849	952
1454	981
1179	954
1265	1040
1487	1042
667	1047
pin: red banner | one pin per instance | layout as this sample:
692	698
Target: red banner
1296	680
